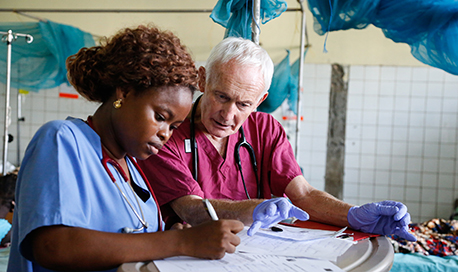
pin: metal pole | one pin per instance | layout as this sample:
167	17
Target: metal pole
9	40
20	119
255	24
115	10
10	37
301	71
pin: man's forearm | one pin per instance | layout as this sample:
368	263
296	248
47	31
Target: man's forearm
325	208
191	209
321	206
241	210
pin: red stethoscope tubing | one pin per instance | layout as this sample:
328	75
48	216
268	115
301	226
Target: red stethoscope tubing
106	159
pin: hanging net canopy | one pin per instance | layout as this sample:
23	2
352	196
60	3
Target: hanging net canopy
430	27
284	86
41	64
236	15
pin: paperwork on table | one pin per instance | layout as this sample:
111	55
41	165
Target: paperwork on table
295	242
300	234
238	262
291	249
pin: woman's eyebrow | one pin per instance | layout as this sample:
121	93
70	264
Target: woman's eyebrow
167	109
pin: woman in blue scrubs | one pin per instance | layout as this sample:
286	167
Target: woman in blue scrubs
81	201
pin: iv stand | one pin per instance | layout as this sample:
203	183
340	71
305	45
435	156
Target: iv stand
9	37
255	23
304	43
20	118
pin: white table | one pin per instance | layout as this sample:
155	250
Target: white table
375	255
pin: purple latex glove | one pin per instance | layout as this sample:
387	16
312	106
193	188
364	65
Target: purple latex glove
272	211
386	218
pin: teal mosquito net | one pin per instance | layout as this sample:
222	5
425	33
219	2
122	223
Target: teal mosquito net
41	64
430	27
236	15
284	86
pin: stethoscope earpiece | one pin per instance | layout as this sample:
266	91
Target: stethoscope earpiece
131	230
127	230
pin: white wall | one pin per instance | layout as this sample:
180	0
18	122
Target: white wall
401	136
37	109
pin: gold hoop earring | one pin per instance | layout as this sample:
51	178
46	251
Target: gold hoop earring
117	104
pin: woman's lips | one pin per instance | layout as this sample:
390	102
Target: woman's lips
154	148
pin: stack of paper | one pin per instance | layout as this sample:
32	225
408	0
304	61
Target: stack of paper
291	249
245	263
295	242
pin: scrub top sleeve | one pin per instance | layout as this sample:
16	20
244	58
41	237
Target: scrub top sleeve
169	174
47	180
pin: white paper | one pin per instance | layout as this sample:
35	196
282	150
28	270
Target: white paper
299	234
260	243
265	251
239	262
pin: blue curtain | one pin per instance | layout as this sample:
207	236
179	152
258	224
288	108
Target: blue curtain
41	64
236	15
430	27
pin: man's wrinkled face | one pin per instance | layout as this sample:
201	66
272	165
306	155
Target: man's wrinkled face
230	97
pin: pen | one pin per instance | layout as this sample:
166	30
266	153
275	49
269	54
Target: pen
211	211
339	232
276	229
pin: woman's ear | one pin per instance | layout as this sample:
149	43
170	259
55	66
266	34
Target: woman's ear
121	93
202	78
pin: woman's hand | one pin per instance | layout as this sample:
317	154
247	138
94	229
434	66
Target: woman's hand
211	240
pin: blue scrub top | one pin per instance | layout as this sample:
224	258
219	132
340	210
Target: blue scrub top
63	182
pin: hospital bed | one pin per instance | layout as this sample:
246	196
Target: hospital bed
436	249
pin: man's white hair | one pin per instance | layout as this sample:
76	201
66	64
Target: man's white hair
243	52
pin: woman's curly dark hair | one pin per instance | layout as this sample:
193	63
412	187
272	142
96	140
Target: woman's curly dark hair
135	59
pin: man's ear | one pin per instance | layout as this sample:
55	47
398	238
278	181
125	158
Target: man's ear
202	78
262	99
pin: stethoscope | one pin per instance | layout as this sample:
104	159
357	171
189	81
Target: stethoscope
107	159
242	142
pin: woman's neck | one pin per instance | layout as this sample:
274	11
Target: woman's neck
103	125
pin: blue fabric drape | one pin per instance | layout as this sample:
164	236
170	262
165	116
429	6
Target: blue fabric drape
430	27
235	15
279	88
294	86
41	64
415	262
5	227
284	86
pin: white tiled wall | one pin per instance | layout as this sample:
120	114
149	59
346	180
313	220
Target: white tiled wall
401	144
37	109
401	136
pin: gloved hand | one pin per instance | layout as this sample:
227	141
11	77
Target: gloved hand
272	211
386	218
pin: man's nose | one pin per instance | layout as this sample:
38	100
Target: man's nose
229	111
